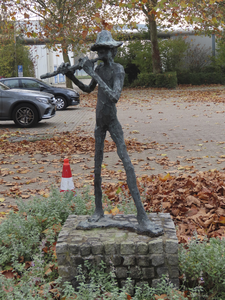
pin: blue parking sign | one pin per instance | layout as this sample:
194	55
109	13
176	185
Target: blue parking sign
20	71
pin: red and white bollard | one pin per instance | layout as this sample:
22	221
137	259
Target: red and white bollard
67	180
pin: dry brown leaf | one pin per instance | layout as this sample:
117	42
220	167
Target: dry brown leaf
193	200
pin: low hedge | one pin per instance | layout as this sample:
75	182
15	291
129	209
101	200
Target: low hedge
167	80
171	79
201	78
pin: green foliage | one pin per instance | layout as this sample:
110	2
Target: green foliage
136	58
172	54
13	54
145	79
28	286
220	53
194	65
125	56
127	53
143	57
201	78
36	222
35	227
167	80
202	265
24	58
100	283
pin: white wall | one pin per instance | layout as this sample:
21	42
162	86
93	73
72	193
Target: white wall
194	40
47	61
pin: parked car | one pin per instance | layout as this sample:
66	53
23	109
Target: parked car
64	96
25	108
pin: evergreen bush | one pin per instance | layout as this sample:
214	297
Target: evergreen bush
167	80
201	78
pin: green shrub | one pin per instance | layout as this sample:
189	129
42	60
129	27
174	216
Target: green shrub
143	57
125	56
194	64
28	285
36	222
202	264
201	78
172	52
98	283
220	53
126	80
145	79
26	232
167	80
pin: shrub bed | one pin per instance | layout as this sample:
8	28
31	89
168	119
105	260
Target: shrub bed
201	78
167	80
28	262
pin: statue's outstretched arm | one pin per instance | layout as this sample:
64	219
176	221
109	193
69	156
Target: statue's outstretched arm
65	68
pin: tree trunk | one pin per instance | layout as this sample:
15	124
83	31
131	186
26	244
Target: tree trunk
156	60
67	59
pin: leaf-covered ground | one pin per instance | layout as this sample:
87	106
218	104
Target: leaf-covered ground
32	162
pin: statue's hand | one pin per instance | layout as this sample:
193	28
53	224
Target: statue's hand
63	68
87	65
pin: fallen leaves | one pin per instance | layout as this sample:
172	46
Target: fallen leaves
196	204
65	142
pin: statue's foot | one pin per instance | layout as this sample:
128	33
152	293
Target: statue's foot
150	228
96	216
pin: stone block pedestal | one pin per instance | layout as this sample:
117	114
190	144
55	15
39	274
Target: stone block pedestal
140	257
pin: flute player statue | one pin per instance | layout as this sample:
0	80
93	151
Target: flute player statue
110	77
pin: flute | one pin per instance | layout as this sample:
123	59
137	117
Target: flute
72	68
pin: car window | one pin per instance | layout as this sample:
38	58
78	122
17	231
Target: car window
13	83
3	87
30	84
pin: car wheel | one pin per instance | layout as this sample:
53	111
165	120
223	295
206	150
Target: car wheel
25	115
60	103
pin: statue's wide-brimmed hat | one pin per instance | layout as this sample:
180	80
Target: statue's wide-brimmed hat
104	39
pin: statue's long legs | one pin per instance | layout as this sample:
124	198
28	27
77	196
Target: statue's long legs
100	134
116	132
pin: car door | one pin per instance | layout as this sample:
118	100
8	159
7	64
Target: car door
6	99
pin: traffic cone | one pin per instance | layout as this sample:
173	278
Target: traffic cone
66	180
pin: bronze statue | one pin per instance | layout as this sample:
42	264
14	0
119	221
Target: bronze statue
110	77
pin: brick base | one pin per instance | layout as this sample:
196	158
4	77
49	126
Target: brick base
142	258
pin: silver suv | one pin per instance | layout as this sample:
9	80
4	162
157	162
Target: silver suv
64	97
25	108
